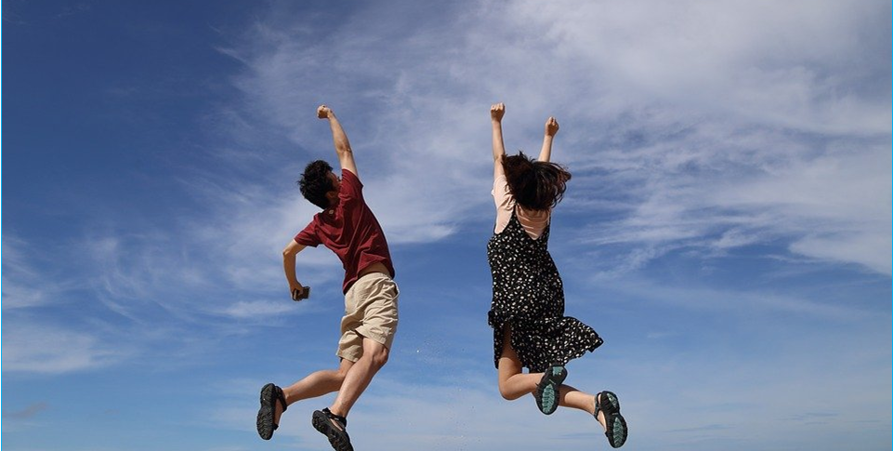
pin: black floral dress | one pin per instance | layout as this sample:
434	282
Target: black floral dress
528	295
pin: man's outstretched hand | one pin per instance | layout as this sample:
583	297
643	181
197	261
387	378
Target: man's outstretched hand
551	126
497	111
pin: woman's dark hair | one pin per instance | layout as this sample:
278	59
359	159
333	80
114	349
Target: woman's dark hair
535	185
315	183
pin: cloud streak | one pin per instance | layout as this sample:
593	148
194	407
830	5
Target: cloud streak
40	348
709	130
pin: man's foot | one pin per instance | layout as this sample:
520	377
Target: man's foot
608	405
546	394
270	394
334	427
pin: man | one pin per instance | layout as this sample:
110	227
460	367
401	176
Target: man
348	227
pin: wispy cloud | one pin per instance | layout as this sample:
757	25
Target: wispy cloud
259	310
713	138
42	348
698	134
135	294
24	285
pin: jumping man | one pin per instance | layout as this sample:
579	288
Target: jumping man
348	227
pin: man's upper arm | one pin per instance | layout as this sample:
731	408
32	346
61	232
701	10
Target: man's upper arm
347	162
293	248
306	237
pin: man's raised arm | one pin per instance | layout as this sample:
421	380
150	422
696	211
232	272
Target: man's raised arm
342	145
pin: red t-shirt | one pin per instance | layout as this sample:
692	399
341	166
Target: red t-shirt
352	232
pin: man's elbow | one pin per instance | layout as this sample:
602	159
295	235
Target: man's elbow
343	151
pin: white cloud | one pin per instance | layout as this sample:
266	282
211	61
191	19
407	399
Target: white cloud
41	348
792	66
695	126
258	309
872	251
704	120
23	284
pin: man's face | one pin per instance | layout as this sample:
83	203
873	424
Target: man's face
336	188
336	182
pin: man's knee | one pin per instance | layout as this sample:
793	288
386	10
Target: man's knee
341	373
375	353
379	356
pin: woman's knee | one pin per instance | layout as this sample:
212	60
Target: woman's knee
508	394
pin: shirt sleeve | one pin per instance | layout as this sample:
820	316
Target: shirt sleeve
351	187
308	237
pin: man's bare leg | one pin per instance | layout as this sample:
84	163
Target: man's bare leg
314	385
375	355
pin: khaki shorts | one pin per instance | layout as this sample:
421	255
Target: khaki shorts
370	311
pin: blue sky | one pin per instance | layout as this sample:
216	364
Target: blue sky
727	229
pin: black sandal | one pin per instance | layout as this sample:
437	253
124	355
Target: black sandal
615	424
269	395
334	427
547	393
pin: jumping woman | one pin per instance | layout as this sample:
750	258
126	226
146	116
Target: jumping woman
527	313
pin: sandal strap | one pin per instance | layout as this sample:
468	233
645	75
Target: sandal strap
281	397
548	376
338	418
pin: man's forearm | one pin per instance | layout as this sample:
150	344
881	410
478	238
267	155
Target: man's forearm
288	263
342	145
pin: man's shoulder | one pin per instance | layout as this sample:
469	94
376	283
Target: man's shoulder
351	186
348	176
314	223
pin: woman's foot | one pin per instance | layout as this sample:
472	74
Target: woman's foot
607	413
547	390
272	404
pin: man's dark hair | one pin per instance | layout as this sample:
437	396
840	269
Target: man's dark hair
315	183
535	185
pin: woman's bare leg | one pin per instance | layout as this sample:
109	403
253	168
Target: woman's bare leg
571	397
513	383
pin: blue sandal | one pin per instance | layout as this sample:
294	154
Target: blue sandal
615	425
547	393
269	395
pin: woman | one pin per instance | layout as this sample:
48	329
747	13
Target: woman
527	313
